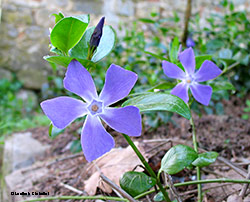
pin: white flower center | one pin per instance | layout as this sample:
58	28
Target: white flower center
95	107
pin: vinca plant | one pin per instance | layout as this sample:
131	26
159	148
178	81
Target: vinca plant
78	48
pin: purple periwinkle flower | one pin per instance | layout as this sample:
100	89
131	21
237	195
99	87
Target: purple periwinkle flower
94	138
190	42
190	78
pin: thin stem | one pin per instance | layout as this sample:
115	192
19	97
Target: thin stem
147	166
220	180
77	198
198	170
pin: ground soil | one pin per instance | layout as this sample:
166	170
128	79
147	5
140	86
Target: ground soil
227	134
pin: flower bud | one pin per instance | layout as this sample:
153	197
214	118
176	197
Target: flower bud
97	34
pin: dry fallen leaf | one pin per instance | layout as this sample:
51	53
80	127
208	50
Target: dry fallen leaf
112	165
234	198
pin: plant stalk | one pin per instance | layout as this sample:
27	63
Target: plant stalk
220	180
78	198
198	170
147	166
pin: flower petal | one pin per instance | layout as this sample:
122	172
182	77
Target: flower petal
124	120
63	110
118	84
172	70
79	81
94	139
187	59
207	71
181	91
201	93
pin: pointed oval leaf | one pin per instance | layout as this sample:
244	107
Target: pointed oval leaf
54	131
160	102
67	32
177	158
205	159
136	183
106	44
65	60
221	85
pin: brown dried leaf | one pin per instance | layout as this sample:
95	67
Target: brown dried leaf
234	198
112	165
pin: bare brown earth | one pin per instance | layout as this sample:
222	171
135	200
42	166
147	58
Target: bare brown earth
228	135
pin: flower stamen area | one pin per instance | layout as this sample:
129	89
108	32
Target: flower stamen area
95	107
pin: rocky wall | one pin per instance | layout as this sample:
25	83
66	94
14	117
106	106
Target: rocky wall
24	27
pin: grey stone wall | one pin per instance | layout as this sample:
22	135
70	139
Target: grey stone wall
24	27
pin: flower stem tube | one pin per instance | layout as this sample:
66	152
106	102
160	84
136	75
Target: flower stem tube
147	166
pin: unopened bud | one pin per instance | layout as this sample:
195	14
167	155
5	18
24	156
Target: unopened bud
97	34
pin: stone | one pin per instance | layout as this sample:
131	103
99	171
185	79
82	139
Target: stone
43	18
22	180
127	7
21	150
5	74
31	76
88	6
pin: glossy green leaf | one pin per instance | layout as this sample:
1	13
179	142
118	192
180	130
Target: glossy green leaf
174	48
53	49
205	159
67	33
58	17
106	45
54	132
159	197
83	18
177	158
136	183
200	59
163	86
160	102
221	85
65	60
155	55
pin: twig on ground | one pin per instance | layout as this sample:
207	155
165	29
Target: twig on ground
172	188
79	192
245	186
65	158
212	172
114	186
240	171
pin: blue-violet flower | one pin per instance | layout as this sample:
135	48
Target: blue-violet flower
190	78
63	110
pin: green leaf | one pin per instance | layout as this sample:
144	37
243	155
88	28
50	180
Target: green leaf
160	102
174	47
205	159
65	60
58	17
53	49
67	32
83	18
163	86
200	59
146	20
75	146
225	54
136	183
106	45
177	158
155	55
159	197
54	132
221	85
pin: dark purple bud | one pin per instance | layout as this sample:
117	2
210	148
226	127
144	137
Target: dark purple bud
97	34
190	42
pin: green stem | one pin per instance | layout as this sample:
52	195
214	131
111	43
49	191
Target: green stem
78	198
147	166
195	144
220	180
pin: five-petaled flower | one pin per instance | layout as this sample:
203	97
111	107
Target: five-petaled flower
190	78
94	138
